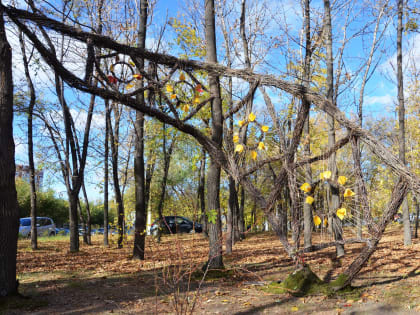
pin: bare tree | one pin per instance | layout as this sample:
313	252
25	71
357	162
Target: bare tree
140	190
334	202
32	184
401	118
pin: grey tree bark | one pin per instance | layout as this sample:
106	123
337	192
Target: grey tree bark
307	208
9	213
401	118
213	178
140	190
334	200
416	204
167	155
106	173
31	105
201	198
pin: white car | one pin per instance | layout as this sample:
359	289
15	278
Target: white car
45	226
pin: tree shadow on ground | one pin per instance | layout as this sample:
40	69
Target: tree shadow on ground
262	308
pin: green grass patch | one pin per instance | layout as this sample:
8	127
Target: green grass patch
213	274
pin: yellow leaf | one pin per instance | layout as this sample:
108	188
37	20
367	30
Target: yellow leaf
186	108
254	155
129	86
348	193
196	100
317	220
132	63
264	128
111	68
306	187
252	117
341	213
181	77
169	88
309	200
137	76
240	123
261	146
173	96
325	175
342	180
325	222
235	138
239	148
294	309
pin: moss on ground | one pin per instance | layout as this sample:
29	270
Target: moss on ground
213	274
304	282
21	303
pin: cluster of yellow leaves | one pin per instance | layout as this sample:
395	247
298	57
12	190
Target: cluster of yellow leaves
240	147
309	200
348	193
325	175
342	180
197	91
341	213
306	187
317	220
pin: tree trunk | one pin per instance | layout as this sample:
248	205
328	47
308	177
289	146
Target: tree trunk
32	183
140	195
106	173
167	154
307	208
82	222
416	204
9	213
88	230
201	192
213	179
231	213
149	175
114	138
241	220
74	226
334	203
401	118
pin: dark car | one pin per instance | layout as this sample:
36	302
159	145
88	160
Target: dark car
175	224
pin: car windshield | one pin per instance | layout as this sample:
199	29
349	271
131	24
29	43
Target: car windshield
25	222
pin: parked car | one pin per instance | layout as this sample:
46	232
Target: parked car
175	224
62	231
98	231
45	226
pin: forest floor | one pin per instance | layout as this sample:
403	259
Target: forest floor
106	280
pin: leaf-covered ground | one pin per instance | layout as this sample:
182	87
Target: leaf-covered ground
107	280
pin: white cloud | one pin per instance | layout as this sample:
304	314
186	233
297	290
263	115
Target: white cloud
384	100
411	56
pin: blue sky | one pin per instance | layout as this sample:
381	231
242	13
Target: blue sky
380	93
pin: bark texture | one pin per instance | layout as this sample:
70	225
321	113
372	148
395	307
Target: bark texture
31	105
213	178
334	198
401	118
9	213
140	189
